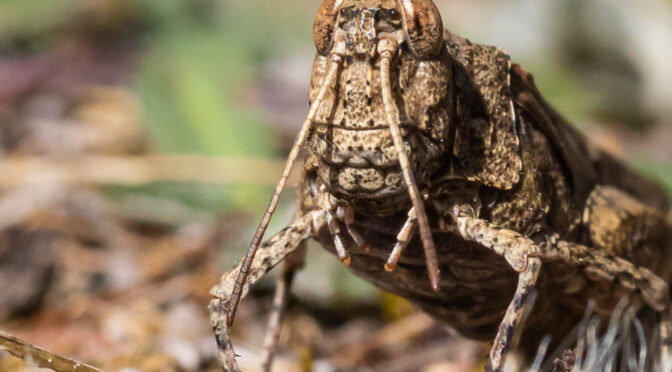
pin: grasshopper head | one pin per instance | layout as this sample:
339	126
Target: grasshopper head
352	135
418	22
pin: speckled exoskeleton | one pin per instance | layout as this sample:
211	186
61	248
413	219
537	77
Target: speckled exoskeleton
438	172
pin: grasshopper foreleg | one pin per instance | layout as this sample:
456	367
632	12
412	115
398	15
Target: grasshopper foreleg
335	230
270	253
336	211
347	214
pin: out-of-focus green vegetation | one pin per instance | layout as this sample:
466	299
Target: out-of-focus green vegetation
199	63
30	19
196	78
197	75
661	172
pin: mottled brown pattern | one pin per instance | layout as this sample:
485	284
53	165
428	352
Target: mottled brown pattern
323	27
526	214
488	148
622	226
517	199
351	131
506	165
423	26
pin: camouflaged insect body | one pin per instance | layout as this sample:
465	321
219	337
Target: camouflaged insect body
517	200
470	144
462	143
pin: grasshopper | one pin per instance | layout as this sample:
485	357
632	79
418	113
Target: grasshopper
438	172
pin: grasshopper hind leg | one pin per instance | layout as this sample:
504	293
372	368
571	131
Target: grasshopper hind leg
623	226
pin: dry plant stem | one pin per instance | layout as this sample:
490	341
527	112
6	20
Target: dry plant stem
41	357
409	179
136	169
272	205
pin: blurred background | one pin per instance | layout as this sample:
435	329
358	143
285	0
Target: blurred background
140	139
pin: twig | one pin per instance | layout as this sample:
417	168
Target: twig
133	170
41	357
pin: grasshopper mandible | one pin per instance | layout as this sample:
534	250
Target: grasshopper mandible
439	173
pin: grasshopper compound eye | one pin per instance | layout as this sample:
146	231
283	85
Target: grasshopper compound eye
388	20
323	27
423	27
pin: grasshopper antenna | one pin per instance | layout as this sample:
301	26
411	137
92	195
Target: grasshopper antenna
386	48
336	61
